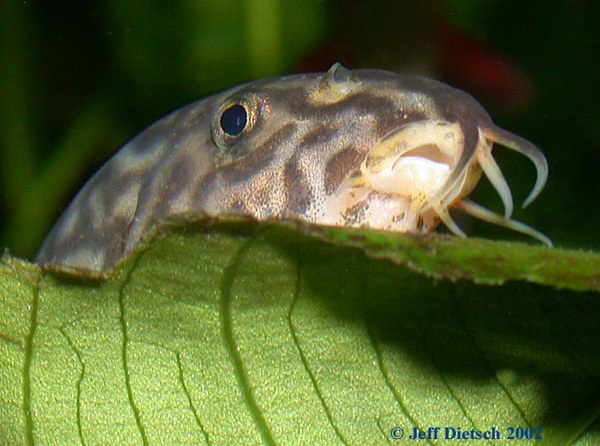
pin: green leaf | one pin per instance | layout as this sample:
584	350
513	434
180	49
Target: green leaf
235	333
480	260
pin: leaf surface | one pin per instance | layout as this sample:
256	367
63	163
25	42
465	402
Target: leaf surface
234	333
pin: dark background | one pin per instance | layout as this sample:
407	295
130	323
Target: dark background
77	82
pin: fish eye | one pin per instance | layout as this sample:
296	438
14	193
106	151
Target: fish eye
233	120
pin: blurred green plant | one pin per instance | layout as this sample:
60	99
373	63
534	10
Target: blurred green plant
76	82
17	127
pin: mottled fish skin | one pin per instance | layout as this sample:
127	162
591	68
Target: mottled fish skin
306	133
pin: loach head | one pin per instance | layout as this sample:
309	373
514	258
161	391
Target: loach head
363	148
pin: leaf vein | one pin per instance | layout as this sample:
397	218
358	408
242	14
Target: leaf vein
124	345
304	361
387	379
189	398
79	383
228	278
27	362
438	368
462	322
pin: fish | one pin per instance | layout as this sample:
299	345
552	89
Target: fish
362	148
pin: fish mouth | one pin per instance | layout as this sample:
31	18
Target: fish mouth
410	179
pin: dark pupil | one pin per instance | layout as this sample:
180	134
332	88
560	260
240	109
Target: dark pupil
233	120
